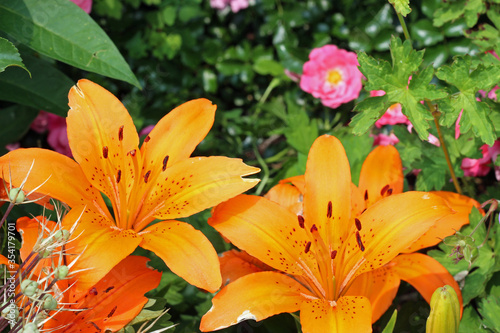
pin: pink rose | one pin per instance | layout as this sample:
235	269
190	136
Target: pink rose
219	4
385	140
393	115
146	130
86	5
332	75
56	126
237	5
480	167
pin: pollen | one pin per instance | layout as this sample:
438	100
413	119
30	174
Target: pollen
384	189
308	247
366	195
165	161
360	242
358	223
301	221
333	254
105	151
146	176
334	77
147	139
329	210
314	228
118	176
120	133
131	153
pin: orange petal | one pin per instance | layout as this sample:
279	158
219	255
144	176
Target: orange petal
256	296
193	185
380	286
235	264
358	202
350	314
186	251
298	181
287	196
112	303
101	245
62	178
388	227
266	231
382	171
327	197
448	225
425	274
179	132
101	134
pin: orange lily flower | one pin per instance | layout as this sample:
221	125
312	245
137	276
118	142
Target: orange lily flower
108	306
382	175
317	255
157	181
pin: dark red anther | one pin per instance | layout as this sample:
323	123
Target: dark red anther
314	228
366	195
358	223
329	210
301	221
333	254
118	176
112	311
389	191
120	133
131	153
93	291
165	161
147	138
105	151
384	189
308	247
360	243
146	176
109	289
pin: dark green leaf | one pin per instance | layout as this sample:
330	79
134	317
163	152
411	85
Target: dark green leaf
47	90
452	10
489	308
61	30
19	119
9	56
425	33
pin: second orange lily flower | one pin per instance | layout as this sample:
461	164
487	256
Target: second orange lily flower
157	181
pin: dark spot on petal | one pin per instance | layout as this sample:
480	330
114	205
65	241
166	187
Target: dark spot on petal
118	176
146	176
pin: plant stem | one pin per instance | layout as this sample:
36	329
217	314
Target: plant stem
435	114
403	25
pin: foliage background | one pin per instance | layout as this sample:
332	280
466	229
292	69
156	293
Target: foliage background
181	50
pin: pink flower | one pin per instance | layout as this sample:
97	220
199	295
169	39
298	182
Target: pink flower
219	4
480	167
393	115
86	5
146	130
236	5
41	123
12	146
332	75
56	126
385	140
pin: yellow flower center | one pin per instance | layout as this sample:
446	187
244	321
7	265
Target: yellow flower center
333	77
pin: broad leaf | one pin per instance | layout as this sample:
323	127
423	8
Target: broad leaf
468	81
61	30
9	56
394	81
47	90
19	119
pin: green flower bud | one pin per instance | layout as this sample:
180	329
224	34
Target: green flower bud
16	195
445	311
29	287
61	272
49	303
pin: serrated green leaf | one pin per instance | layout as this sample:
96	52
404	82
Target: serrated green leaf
468	81
471	322
61	30
401	6
452	10
489	308
9	56
47	90
394	81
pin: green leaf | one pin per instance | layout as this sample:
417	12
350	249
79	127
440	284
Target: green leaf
19	119
468	81
471	322
9	56
301	131
401	6
489	308
209	81
452	10
425	33
61	30
47	90
394	81
389	328
268	66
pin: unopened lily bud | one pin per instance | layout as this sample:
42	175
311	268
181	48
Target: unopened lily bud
30	328
49	303
61	235
29	287
61	272
445	311
16	195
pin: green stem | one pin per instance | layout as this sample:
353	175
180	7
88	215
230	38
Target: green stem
403	25
435	114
